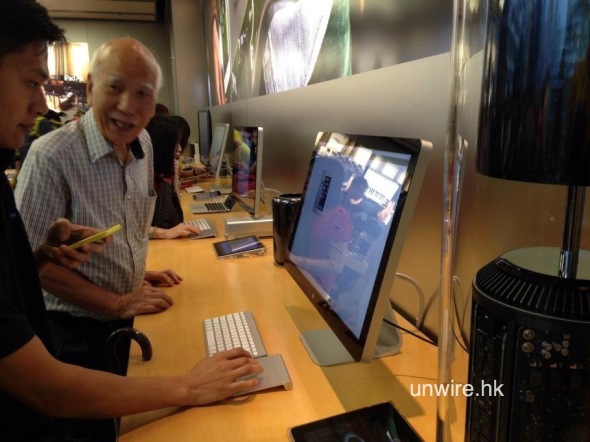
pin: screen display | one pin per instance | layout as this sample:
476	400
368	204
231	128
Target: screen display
378	423
349	206
247	167
217	147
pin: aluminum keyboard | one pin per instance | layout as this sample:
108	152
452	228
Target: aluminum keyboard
194	189
200	223
232	331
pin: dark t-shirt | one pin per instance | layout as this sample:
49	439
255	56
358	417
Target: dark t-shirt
22	315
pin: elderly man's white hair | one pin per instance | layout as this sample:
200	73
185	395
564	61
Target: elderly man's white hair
104	50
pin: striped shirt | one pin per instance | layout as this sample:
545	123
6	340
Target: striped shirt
74	173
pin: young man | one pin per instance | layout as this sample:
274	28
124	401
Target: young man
37	392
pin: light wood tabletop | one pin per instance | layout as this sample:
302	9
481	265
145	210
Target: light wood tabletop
211	287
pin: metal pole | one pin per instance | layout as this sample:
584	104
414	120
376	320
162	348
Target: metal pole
572	232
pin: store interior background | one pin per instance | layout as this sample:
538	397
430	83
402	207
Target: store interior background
407	95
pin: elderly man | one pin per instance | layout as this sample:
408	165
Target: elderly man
98	171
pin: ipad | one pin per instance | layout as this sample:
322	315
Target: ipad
249	245
377	423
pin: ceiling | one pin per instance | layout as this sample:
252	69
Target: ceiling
134	10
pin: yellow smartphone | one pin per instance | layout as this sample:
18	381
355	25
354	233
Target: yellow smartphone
97	236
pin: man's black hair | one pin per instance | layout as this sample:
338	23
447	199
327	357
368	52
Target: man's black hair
23	22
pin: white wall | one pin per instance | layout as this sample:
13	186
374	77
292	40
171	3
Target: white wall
188	62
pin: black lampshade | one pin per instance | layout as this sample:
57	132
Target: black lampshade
534	122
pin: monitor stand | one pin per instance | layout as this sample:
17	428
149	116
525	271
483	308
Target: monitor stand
245	226
325	348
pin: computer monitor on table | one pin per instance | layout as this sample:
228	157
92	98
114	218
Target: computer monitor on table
357	204
204	124
247	188
217	151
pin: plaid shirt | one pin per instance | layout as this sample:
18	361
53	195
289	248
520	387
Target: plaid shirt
74	173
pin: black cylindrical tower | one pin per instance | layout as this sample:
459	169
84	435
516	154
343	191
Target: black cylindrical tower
530	348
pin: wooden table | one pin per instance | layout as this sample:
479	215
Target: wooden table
281	310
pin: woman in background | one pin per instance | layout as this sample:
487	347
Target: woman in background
185	132
167	223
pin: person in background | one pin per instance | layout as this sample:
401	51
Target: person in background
77	115
197	168
43	124
161	108
167	222
38	407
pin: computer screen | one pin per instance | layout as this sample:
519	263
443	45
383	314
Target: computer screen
204	123
357	204
216	154
247	186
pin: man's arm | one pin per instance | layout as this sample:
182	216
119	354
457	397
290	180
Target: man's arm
75	289
67	390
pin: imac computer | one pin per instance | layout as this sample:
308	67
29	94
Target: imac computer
217	151
204	124
247	187
356	207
